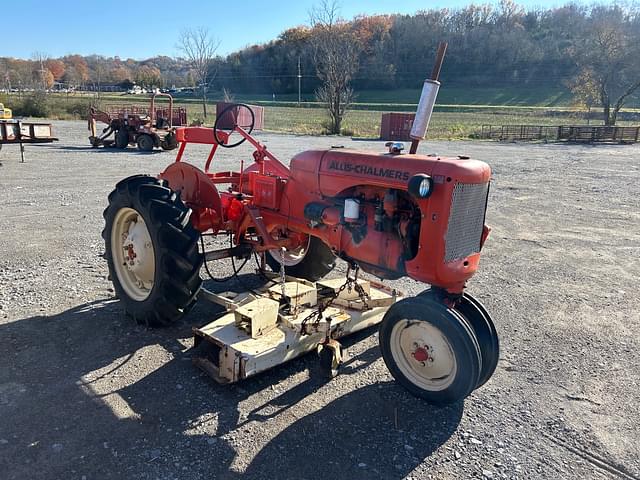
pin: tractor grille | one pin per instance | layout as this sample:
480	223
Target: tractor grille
466	220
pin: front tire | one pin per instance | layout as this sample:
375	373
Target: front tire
486	333
151	250
122	138
169	142
430	350
145	143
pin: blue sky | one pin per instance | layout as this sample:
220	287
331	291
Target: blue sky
106	28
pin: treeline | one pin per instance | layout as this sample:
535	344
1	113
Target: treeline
488	46
92	71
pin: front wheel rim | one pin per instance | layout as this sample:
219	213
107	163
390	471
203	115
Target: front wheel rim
423	354
133	254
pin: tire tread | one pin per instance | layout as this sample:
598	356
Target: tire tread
178	260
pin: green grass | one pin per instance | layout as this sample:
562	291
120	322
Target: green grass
444	125
449	121
449	95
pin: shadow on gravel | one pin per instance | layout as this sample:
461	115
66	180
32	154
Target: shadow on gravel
88	392
358	436
89	148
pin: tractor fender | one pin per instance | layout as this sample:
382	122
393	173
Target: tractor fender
198	192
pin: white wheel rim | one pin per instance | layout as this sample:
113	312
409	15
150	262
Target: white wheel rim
291	257
132	253
423	354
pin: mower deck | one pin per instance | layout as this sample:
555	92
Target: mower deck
258	332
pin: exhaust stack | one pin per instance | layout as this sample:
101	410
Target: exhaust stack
425	109
427	101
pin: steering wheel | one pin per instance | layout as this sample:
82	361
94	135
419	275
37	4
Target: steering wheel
235	114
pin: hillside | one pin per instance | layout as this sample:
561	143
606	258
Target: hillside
513	55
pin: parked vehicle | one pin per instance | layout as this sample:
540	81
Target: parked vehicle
147	127
5	113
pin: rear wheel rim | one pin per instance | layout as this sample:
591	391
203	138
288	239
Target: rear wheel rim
292	257
423	354
133	254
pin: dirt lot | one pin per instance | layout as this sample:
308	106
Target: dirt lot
85	393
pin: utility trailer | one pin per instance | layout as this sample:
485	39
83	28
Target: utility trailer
19	132
147	127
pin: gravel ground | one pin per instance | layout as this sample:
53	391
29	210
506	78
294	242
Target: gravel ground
85	393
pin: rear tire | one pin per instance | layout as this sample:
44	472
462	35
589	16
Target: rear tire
151	250
430	350
313	262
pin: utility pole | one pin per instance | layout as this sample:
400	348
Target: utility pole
299	80
44	82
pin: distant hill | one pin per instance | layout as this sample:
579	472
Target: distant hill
513	55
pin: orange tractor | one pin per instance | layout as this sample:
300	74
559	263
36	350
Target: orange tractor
147	127
390	214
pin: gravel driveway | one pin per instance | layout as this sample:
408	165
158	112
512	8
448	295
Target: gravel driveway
87	394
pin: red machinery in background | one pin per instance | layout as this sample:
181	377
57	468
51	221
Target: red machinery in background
147	127
390	214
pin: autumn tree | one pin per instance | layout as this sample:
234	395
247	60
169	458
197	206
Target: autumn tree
335	54
77	70
42	76
373	35
199	49
56	67
607	55
19	73
585	89
47	78
120	73
148	76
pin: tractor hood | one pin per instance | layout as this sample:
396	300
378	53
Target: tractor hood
336	170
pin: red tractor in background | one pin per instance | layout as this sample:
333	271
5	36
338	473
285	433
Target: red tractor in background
390	214
147	127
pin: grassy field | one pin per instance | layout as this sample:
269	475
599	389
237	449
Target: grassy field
450	120
447	123
366	123
498	96
531	96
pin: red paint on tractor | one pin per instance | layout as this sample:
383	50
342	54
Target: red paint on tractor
421	354
328	178
396	234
